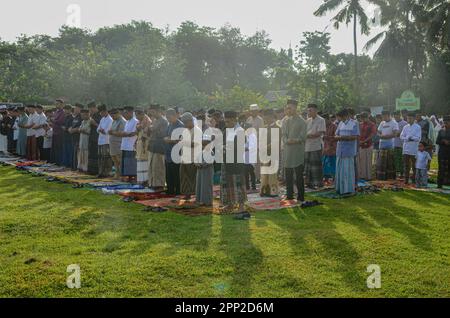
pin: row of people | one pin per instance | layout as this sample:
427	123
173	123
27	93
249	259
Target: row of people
135	145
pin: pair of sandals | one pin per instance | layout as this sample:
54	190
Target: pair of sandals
243	216
156	209
310	204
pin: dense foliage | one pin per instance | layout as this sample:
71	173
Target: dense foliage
198	67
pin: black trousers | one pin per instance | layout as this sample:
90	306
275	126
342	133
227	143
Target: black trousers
45	154
444	171
40	146
173	178
297	174
250	177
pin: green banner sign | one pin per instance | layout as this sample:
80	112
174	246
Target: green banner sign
408	101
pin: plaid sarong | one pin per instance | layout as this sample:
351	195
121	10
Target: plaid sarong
232	188
398	160
386	165
188	175
104	161
313	168
129	163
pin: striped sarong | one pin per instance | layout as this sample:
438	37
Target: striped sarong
142	171
365	161
31	148
156	170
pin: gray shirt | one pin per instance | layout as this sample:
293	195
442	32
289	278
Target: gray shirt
117	125
158	132
294	128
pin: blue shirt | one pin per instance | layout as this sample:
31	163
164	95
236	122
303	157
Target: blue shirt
170	129
347	148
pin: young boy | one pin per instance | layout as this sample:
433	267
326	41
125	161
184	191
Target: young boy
422	160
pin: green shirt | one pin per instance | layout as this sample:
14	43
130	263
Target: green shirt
294	128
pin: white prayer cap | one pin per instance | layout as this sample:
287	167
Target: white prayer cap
254	107
186	117
3	107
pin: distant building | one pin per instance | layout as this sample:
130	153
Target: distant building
274	96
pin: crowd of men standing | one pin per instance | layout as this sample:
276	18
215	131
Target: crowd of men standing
134	144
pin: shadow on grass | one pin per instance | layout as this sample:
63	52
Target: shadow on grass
98	214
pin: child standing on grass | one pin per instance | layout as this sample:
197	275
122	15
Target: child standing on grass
423	159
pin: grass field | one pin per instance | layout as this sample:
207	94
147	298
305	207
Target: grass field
123	251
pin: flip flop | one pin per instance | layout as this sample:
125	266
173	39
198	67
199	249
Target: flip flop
310	204
242	216
157	209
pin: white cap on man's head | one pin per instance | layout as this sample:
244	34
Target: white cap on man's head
254	107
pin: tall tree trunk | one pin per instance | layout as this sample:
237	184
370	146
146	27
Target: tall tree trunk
355	43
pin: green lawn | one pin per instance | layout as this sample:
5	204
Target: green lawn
123	251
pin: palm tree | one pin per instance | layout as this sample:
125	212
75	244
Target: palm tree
402	37
438	16
350	10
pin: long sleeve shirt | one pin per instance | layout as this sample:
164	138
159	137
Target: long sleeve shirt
158	132
294	129
411	135
105	125
58	121
444	150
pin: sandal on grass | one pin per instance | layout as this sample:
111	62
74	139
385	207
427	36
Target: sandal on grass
157	209
310	204
242	216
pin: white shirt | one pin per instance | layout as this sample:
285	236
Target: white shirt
41	120
105	124
411	135
314	126
128	142
387	128
32	120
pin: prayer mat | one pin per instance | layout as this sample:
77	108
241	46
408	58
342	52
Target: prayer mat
104	183
142	196
333	195
125	187
258	203
181	206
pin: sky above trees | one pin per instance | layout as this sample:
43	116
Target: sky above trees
283	20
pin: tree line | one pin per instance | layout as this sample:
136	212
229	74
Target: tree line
199	67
